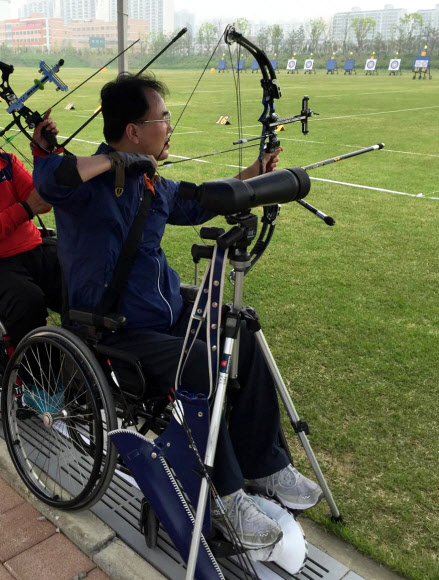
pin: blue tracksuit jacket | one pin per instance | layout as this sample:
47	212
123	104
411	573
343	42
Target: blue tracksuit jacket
92	225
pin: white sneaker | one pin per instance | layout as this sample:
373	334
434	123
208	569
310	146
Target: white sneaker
253	527
290	488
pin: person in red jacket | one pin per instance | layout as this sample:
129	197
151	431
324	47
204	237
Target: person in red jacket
30	276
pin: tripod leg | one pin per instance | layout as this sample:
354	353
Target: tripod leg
297	424
212	440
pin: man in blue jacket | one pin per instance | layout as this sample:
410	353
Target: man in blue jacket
93	219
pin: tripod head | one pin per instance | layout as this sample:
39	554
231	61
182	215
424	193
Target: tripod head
237	239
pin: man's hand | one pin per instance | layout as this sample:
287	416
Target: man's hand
36	204
270	160
133	162
47	125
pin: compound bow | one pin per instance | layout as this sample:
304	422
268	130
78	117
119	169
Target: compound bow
17	107
20	111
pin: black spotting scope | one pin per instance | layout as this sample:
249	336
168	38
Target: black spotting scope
229	196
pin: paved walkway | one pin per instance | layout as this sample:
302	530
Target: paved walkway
37	541
33	547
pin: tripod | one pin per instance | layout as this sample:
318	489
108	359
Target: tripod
233	245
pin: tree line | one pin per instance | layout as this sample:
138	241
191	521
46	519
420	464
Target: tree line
408	36
316	37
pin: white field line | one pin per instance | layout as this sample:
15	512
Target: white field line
352	94
314	120
385	150
356	185
419	195
253	135
376	113
87	116
409	153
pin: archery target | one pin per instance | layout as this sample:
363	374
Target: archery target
309	64
420	63
291	64
370	64
394	64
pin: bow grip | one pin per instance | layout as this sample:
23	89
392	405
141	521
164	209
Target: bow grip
272	145
50	138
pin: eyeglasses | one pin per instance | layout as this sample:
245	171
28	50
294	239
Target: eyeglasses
166	119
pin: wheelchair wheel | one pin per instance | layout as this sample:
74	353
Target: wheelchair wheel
56	410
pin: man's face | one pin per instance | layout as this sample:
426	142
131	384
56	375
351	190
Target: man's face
154	129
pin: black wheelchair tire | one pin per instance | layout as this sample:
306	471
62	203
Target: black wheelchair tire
57	409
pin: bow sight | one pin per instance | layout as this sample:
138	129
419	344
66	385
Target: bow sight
17	108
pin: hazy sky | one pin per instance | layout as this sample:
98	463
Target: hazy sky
280	11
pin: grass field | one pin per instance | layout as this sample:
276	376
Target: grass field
351	312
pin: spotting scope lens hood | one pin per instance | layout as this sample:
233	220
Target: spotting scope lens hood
229	196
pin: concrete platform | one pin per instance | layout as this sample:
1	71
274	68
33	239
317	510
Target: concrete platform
112	547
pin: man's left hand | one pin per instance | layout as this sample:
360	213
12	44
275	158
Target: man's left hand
270	160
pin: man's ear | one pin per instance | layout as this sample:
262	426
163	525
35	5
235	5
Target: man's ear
132	132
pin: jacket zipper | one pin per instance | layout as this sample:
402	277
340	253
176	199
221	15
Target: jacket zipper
160	292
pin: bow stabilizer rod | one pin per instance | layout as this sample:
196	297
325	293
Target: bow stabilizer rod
342	157
326	218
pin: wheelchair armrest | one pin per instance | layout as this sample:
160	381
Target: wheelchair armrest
109	322
189	292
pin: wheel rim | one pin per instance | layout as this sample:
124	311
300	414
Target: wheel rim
53	422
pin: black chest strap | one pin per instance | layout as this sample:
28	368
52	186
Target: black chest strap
112	297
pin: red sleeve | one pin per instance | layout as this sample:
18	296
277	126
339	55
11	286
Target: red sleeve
22	179
12	214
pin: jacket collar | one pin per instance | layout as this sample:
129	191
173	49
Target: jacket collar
3	162
104	148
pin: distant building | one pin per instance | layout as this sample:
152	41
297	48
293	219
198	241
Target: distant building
44	7
385	22
103	34
160	13
51	33
430	17
35	32
103	11
184	18
77	10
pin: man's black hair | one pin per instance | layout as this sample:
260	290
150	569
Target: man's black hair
124	101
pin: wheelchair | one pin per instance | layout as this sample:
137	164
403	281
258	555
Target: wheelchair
66	396
62	392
